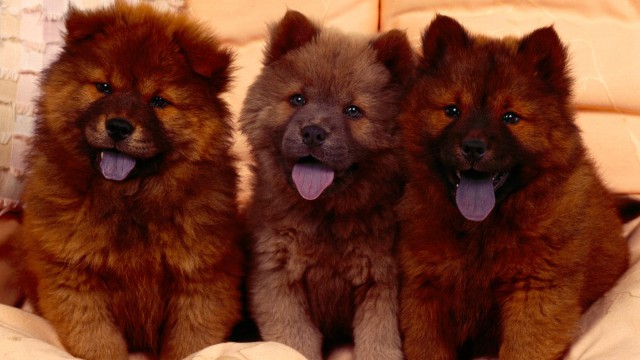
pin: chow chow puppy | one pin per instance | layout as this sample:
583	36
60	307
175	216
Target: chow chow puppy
320	122
129	232
507	232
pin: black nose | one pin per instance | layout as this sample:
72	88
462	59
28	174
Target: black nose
313	135
474	149
118	129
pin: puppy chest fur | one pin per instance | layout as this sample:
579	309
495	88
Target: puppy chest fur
331	262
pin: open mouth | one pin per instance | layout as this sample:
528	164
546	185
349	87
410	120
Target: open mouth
311	177
497	179
475	192
115	165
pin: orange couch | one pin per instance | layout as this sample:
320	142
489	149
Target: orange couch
604	42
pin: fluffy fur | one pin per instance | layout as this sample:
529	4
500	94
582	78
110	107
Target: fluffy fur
513	280
148	262
324	269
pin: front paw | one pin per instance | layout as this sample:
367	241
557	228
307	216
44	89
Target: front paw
107	347
376	353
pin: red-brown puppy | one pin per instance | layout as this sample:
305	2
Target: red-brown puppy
507	232
130	220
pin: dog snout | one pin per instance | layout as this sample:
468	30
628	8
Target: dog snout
118	129
474	149
313	135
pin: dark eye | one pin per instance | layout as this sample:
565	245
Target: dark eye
353	111
297	100
452	111
104	88
510	118
158	102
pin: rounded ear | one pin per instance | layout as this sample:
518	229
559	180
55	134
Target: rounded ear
439	38
81	25
394	51
293	31
205	56
543	50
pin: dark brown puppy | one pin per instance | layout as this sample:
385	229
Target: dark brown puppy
130	220
320	121
508	234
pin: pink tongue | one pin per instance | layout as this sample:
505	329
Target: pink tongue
311	179
475	198
115	165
